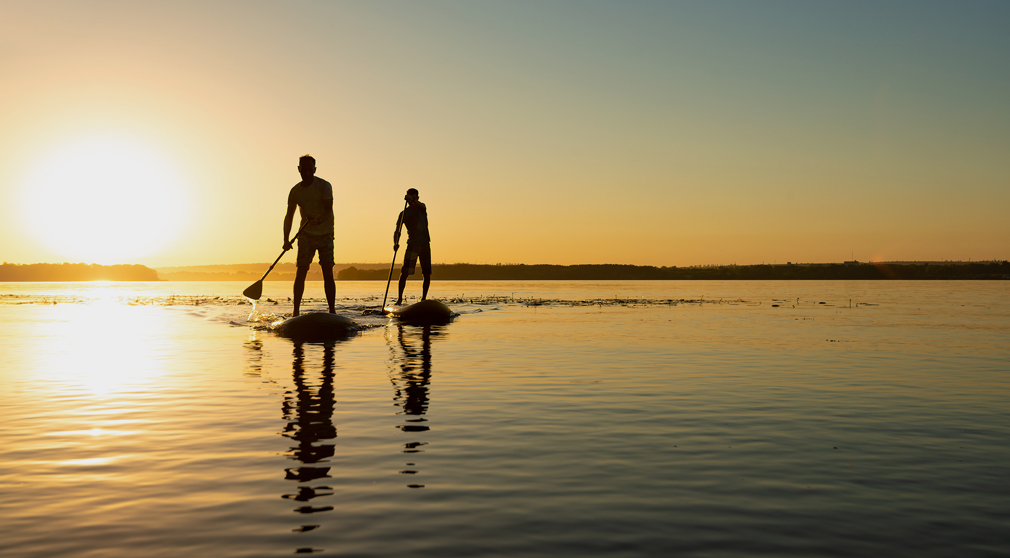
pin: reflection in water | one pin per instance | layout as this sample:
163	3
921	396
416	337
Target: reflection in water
254	369
411	384
309	412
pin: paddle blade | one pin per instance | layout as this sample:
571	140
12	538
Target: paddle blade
254	291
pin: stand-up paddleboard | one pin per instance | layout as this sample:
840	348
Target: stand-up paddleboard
424	312
316	327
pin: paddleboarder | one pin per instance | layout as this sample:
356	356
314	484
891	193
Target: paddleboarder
313	197
415	218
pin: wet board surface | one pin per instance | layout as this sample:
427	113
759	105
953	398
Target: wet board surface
425	311
318	326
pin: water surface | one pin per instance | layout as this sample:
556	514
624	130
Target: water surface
549	419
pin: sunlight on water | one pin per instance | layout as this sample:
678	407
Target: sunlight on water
102	347
559	419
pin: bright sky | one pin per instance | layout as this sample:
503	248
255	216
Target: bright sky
661	133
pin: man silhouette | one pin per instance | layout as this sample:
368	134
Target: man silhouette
314	198
415	218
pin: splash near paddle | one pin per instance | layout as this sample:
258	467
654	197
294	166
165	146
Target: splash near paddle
424	312
316	327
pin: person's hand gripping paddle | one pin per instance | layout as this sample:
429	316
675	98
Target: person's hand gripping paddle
255	291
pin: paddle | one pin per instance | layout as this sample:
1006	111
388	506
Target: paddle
255	291
393	264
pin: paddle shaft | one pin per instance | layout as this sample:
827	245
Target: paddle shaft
302	228
393	264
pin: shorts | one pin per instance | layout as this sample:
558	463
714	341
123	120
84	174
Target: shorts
308	244
410	257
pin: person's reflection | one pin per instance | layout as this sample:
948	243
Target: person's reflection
254	345
309	412
411	384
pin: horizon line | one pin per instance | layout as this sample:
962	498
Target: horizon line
348	264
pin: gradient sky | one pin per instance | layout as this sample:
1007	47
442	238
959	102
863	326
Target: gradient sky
661	133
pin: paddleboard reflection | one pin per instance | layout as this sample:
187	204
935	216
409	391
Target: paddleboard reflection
410	374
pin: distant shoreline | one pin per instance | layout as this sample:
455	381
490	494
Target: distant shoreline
46	272
948	270
611	272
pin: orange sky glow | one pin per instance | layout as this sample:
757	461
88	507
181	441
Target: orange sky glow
678	133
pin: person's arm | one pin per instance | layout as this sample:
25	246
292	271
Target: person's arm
327	210
327	203
288	218
396	233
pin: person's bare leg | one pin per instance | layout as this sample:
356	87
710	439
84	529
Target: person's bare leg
300	274
427	281
403	283
329	286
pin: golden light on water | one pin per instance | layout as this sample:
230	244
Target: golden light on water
101	348
103	198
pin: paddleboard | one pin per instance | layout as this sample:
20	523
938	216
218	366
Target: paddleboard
316	327
426	311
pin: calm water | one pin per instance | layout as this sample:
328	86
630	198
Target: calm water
664	418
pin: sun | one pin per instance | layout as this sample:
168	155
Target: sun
104	199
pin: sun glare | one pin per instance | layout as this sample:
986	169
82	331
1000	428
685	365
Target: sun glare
104	199
104	347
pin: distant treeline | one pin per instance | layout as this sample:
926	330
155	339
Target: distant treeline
519	272
611	272
75	272
247	272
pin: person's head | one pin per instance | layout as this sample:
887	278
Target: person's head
307	166
412	194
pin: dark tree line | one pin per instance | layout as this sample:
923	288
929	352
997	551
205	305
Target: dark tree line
522	272
608	272
75	272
